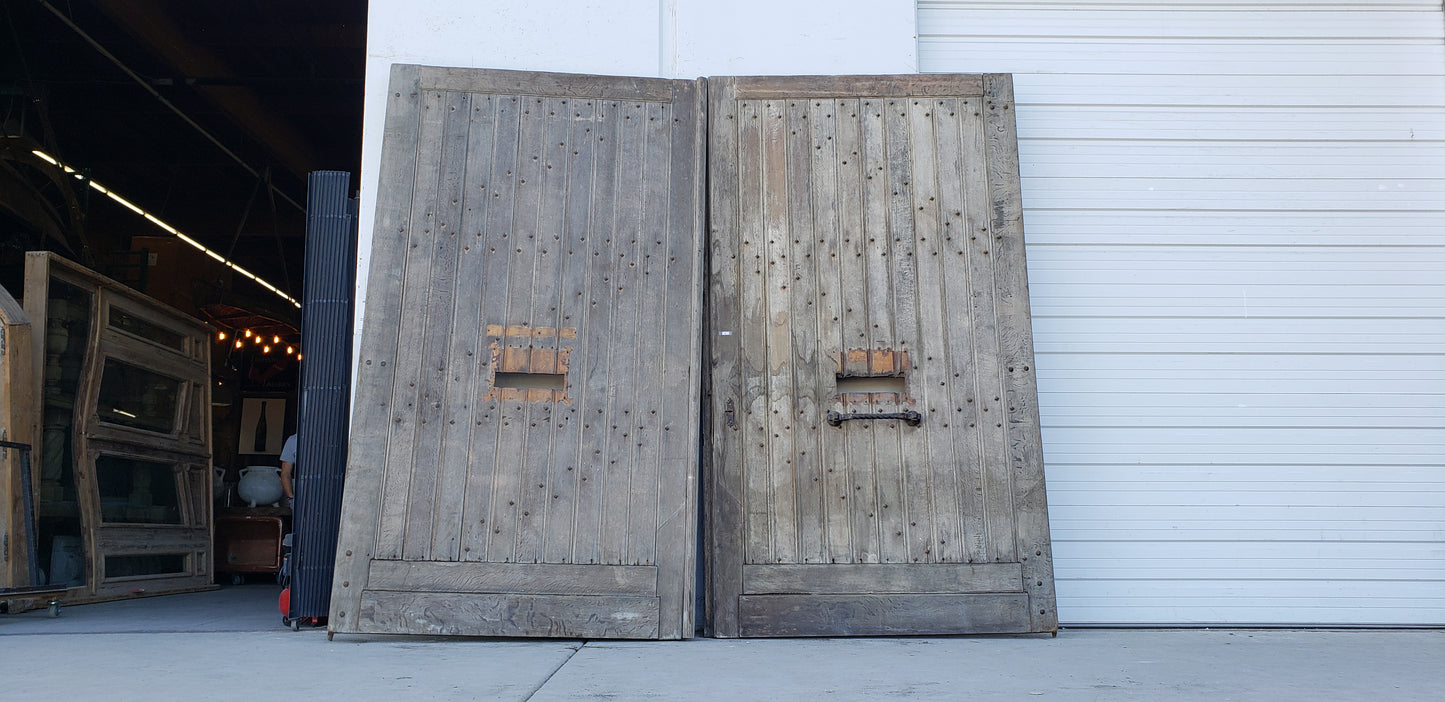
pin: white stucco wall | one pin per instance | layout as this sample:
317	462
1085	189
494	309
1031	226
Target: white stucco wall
657	38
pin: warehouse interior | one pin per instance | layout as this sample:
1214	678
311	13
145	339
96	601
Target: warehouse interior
166	145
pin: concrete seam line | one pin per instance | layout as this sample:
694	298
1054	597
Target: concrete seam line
548	679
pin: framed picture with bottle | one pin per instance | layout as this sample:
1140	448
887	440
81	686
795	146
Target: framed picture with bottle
263	425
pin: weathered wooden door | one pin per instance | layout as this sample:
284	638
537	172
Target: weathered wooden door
524	445
875	464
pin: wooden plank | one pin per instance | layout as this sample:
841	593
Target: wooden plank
811	386
972	213
881	192
726	511
541	84
1016	346
649	277
465	383
142	540
882	578
681	349
837	493
999	538
553	616
544	161
518	578
778	336
948	342
913	217
511	507
596	335
125	588
856	447
578	153
499	169
886	615
415	267
753	340
783	87
622	370
443	232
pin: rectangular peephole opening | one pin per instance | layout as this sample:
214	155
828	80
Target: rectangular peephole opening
870	384
531	381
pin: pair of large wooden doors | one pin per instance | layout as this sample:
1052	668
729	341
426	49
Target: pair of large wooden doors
529	425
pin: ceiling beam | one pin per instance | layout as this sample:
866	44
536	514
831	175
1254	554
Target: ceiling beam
148	22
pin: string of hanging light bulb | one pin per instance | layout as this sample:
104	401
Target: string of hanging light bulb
275	343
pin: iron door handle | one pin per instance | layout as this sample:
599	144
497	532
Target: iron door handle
911	417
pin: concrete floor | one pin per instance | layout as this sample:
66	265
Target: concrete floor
230	645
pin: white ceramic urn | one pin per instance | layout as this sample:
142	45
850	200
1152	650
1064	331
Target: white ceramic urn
260	485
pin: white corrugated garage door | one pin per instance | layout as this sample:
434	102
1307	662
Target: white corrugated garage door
1236	225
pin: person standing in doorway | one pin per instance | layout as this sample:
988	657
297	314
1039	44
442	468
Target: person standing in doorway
288	470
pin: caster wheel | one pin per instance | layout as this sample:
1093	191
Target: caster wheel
296	624
54	608
238	579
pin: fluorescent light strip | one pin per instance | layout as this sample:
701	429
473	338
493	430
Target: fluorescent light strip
156	221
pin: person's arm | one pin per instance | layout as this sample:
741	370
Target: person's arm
286	486
288	470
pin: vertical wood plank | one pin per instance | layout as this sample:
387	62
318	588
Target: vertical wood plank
800	279
649	276
621	272
997	496
499	167
596	334
577	156
401	445
753	332
921	319
514	411
881	192
678	440
437	327
465	386
783	495
376	367
963	333
837	494
728	262
551	173
854	188
937	258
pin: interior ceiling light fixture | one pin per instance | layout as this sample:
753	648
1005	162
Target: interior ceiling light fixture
156	221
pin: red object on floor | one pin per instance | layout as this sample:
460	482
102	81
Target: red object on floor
285	602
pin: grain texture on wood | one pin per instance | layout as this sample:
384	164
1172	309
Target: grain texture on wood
886	615
468	614
537	342
866	578
730	432
528	578
868	259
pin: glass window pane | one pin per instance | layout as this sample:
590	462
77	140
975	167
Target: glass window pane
67	332
134	491
135	397
125	321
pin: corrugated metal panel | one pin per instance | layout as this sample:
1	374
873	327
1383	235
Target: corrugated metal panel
325	413
1234	215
